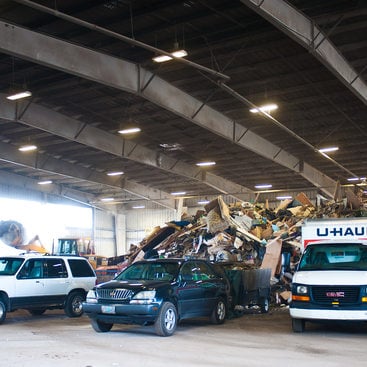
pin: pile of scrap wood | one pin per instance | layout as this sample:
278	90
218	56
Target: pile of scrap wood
252	234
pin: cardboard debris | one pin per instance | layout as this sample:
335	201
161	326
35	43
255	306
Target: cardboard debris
272	255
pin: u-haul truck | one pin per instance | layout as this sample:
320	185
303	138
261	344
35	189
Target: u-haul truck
330	282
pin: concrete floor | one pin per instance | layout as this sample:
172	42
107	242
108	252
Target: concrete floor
251	340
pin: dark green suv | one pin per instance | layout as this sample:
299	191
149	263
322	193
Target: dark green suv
160	292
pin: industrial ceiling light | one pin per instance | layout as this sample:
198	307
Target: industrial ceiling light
284	197
139	207
19	95
115	173
265	108
356	178
263	186
203	202
178	193
131	130
328	149
106	200
176	53
162	58
46	182
205	164
27	148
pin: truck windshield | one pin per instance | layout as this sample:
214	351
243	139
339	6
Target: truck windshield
334	256
150	271
9	265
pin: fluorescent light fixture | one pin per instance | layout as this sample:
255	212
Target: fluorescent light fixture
283	197
205	164
203	202
164	58
179	53
131	130
107	199
328	150
115	173
46	182
178	193
265	108
353	179
19	95
139	207
263	186
27	148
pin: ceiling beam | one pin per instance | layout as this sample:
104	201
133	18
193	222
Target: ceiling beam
130	77
58	124
46	163
304	31
26	183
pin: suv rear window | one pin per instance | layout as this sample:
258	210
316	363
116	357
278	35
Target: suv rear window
80	268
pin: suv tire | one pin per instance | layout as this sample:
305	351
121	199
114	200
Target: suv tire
2	311
219	312
73	305
100	327
166	322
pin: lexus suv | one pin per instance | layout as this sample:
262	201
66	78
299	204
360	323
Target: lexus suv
160	292
39	282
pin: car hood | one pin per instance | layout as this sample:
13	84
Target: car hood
134	284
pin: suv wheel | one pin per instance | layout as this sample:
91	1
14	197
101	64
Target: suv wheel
2	311
100	327
264	305
219	312
166	322
74	304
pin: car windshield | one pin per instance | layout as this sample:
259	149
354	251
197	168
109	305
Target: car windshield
150	271
337	256
9	265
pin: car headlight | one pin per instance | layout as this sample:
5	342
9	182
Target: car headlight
143	298
302	289
91	297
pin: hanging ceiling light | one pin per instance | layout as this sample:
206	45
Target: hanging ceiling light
27	148
131	130
265	108
176	53
19	95
205	164
328	149
263	186
178	193
115	173
46	182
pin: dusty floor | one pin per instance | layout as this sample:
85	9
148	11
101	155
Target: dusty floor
251	340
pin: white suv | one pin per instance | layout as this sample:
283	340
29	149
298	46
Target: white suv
39	282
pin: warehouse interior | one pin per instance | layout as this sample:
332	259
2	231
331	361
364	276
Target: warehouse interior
88	67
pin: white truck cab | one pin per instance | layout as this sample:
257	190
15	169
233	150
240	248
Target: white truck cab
330	282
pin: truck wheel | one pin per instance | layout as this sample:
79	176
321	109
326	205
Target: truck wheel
74	304
219	312
37	311
166	322
298	325
2	311
264	305
100	327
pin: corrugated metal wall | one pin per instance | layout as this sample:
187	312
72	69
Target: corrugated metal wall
104	233
139	223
